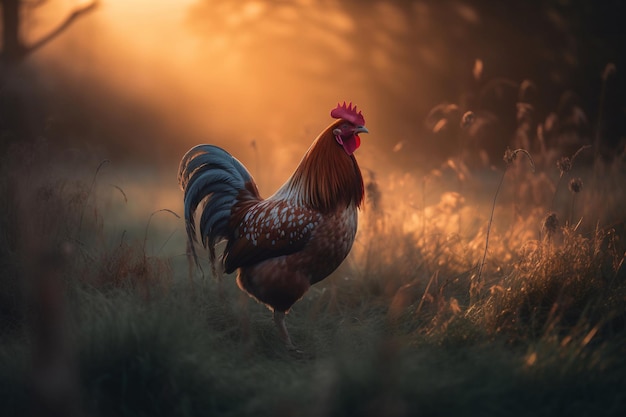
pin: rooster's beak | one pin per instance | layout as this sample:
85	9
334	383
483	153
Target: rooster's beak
361	129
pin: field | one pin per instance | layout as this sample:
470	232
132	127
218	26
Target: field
443	307
488	275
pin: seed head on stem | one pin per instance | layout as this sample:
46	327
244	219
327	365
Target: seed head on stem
551	223
575	185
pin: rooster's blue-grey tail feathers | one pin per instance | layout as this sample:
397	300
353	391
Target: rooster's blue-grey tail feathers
209	171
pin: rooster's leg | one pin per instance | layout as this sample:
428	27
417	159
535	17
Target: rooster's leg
279	320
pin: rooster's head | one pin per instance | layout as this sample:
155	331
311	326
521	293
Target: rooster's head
352	123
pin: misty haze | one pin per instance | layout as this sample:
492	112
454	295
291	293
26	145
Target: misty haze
487	274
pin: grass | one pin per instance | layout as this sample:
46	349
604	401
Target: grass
97	319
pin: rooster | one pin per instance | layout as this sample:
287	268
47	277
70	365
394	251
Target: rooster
283	244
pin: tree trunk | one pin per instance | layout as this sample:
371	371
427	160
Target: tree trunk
12	47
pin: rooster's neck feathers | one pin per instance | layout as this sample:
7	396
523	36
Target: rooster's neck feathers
327	178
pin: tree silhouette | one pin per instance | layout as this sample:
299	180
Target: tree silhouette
13	48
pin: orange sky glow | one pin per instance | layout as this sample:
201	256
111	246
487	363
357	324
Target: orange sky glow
235	72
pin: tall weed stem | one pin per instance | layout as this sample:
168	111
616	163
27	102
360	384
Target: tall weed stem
509	157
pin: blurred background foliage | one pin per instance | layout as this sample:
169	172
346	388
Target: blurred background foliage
147	80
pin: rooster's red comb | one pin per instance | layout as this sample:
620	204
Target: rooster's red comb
347	112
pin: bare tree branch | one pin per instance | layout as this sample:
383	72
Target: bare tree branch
56	32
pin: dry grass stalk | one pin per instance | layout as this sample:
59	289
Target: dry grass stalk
509	157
